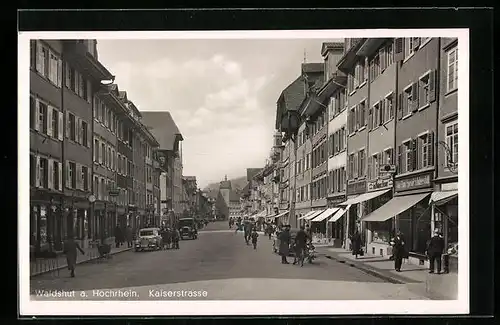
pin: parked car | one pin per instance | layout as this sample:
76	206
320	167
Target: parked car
188	228
276	241
148	239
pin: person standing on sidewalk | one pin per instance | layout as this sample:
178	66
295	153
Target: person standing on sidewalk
284	237
356	244
435	247
399	251
70	247
128	235
255	235
118	235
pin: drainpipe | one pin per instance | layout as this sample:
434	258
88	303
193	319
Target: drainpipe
437	85
63	151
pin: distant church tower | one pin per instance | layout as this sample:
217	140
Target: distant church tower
225	189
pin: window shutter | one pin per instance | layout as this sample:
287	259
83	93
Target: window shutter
37	172
60	125
400	106
68	180
78	176
68	76
50	173
400	159
432	86
80	131
370	166
50	112
370	118
89	138
414	97
89	91
355	165
430	151
398	49
68	125
37	114
39	56
59	72
391	160
100	151
60	178
416	42
415	154
382	59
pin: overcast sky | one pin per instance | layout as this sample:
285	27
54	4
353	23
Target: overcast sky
221	93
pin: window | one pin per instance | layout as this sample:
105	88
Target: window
109	119
361	114
85	177
352	120
72	175
375	67
55	175
48	64
388	107
389	52
361	163
55	122
103	153
409	47
84	134
96	150
108	161
387	159
72	127
407	101
42	117
424	90
376	115
424	151
43	169
452	75
351	85
407	160
452	142
375	168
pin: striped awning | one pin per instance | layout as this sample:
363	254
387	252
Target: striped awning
442	197
313	215
325	214
340	212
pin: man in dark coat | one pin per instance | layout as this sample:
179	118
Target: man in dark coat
118	236
435	249
70	247
356	243
300	246
129	237
399	251
284	237
175	238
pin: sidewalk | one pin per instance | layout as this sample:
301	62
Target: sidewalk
435	286
46	265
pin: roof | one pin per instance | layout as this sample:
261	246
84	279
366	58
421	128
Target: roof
233	196
225	185
312	67
251	172
331	46
189	178
162	126
212	194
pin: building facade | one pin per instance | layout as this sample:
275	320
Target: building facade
63	79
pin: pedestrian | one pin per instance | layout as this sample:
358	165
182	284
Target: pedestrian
248	231
300	246
255	235
168	238
164	237
356	243
435	247
399	251
128	232
269	230
284	248
175	238
118	235
70	250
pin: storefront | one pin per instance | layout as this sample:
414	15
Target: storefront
283	218
412	217
444	216
320	224
358	206
336	226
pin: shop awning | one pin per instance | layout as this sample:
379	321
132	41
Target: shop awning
364	197
281	214
340	212
394	207
325	214
442	197
306	215
314	214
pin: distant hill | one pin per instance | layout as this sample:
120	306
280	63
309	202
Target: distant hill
236	183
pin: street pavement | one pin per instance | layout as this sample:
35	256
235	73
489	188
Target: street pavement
218	265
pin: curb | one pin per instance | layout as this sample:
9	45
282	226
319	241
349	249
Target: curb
369	270
77	263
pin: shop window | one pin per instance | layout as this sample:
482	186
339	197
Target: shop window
382	232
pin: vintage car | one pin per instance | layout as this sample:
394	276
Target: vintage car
148	239
276	241
187	228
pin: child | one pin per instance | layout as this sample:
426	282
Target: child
254	235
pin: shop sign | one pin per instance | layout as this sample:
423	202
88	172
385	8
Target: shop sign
334	201
414	182
356	187
379	184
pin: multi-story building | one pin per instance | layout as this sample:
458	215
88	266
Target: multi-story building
190	203
62	80
107	206
164	129
445	198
